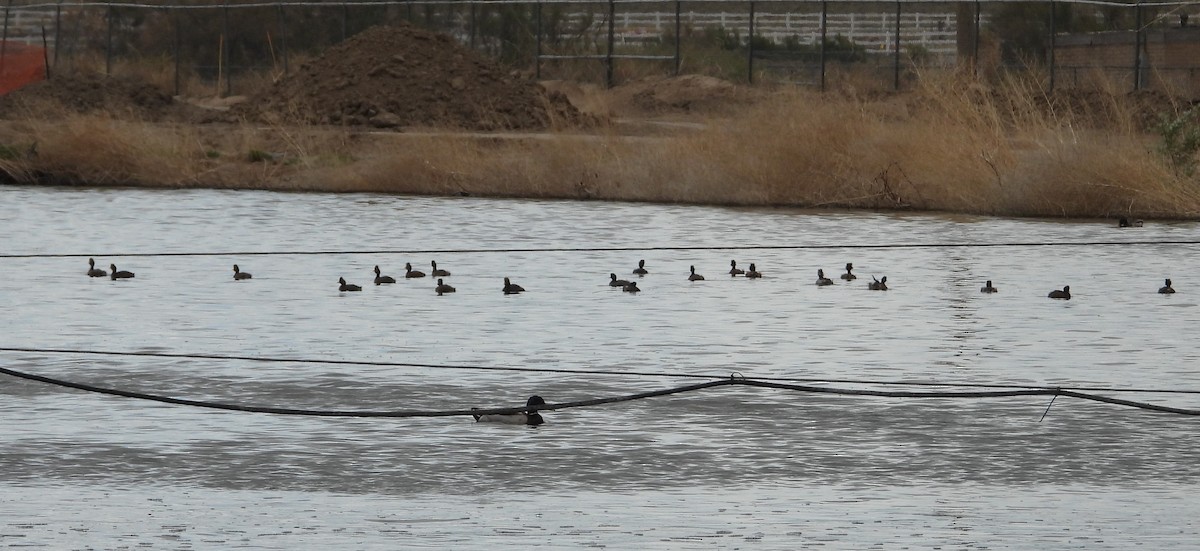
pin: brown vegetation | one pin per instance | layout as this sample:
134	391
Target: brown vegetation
954	143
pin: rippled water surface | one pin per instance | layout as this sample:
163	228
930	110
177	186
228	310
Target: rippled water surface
729	467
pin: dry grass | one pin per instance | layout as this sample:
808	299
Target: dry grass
952	144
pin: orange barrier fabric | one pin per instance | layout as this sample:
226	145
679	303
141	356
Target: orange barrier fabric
22	64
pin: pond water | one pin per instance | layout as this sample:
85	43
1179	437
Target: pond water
731	467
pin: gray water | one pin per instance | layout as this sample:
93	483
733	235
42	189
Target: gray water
726	468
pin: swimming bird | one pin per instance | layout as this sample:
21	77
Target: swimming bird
411	273
988	288
528	417
1064	294
822	280
239	275
1166	290
734	271
93	271
511	288
614	282
442	288
436	272
123	274
695	276
753	272
878	284
641	269
1123	222
380	278
347	286
849	276
631	287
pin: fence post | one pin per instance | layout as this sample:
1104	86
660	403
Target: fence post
1053	43
283	34
612	15
537	58
45	53
472	25
678	39
74	38
108	41
896	60
4	40
57	30
824	22
177	47
750	47
1137	47
975	47
225	49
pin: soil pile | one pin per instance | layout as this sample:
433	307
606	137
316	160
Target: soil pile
65	94
401	75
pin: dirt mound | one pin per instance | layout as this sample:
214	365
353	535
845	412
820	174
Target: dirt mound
122	97
401	75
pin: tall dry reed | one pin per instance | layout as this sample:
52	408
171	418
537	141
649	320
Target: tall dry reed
954	143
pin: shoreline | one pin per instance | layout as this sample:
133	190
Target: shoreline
1004	153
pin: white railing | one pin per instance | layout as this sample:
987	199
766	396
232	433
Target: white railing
935	31
25	25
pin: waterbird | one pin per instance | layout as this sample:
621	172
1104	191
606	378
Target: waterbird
343	286
753	272
878	284
123	274
695	276
614	282
528	417
641	269
1124	223
381	279
436	272
1064	294
631	287
849	276
93	271
442	288
822	280
988	288
1167	289
409	272
239	275
734	271
511	288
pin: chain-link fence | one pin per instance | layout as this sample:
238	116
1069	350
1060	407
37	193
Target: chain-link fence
234	46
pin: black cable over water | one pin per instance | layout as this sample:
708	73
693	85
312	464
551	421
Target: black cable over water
573	371
614	249
597	401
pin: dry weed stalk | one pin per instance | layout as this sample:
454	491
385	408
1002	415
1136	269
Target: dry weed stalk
954	143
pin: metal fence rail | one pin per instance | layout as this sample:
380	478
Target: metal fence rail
795	40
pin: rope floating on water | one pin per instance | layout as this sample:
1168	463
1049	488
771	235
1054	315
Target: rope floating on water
319	361
616	249
600	401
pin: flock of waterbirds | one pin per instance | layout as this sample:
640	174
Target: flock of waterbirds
628	286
